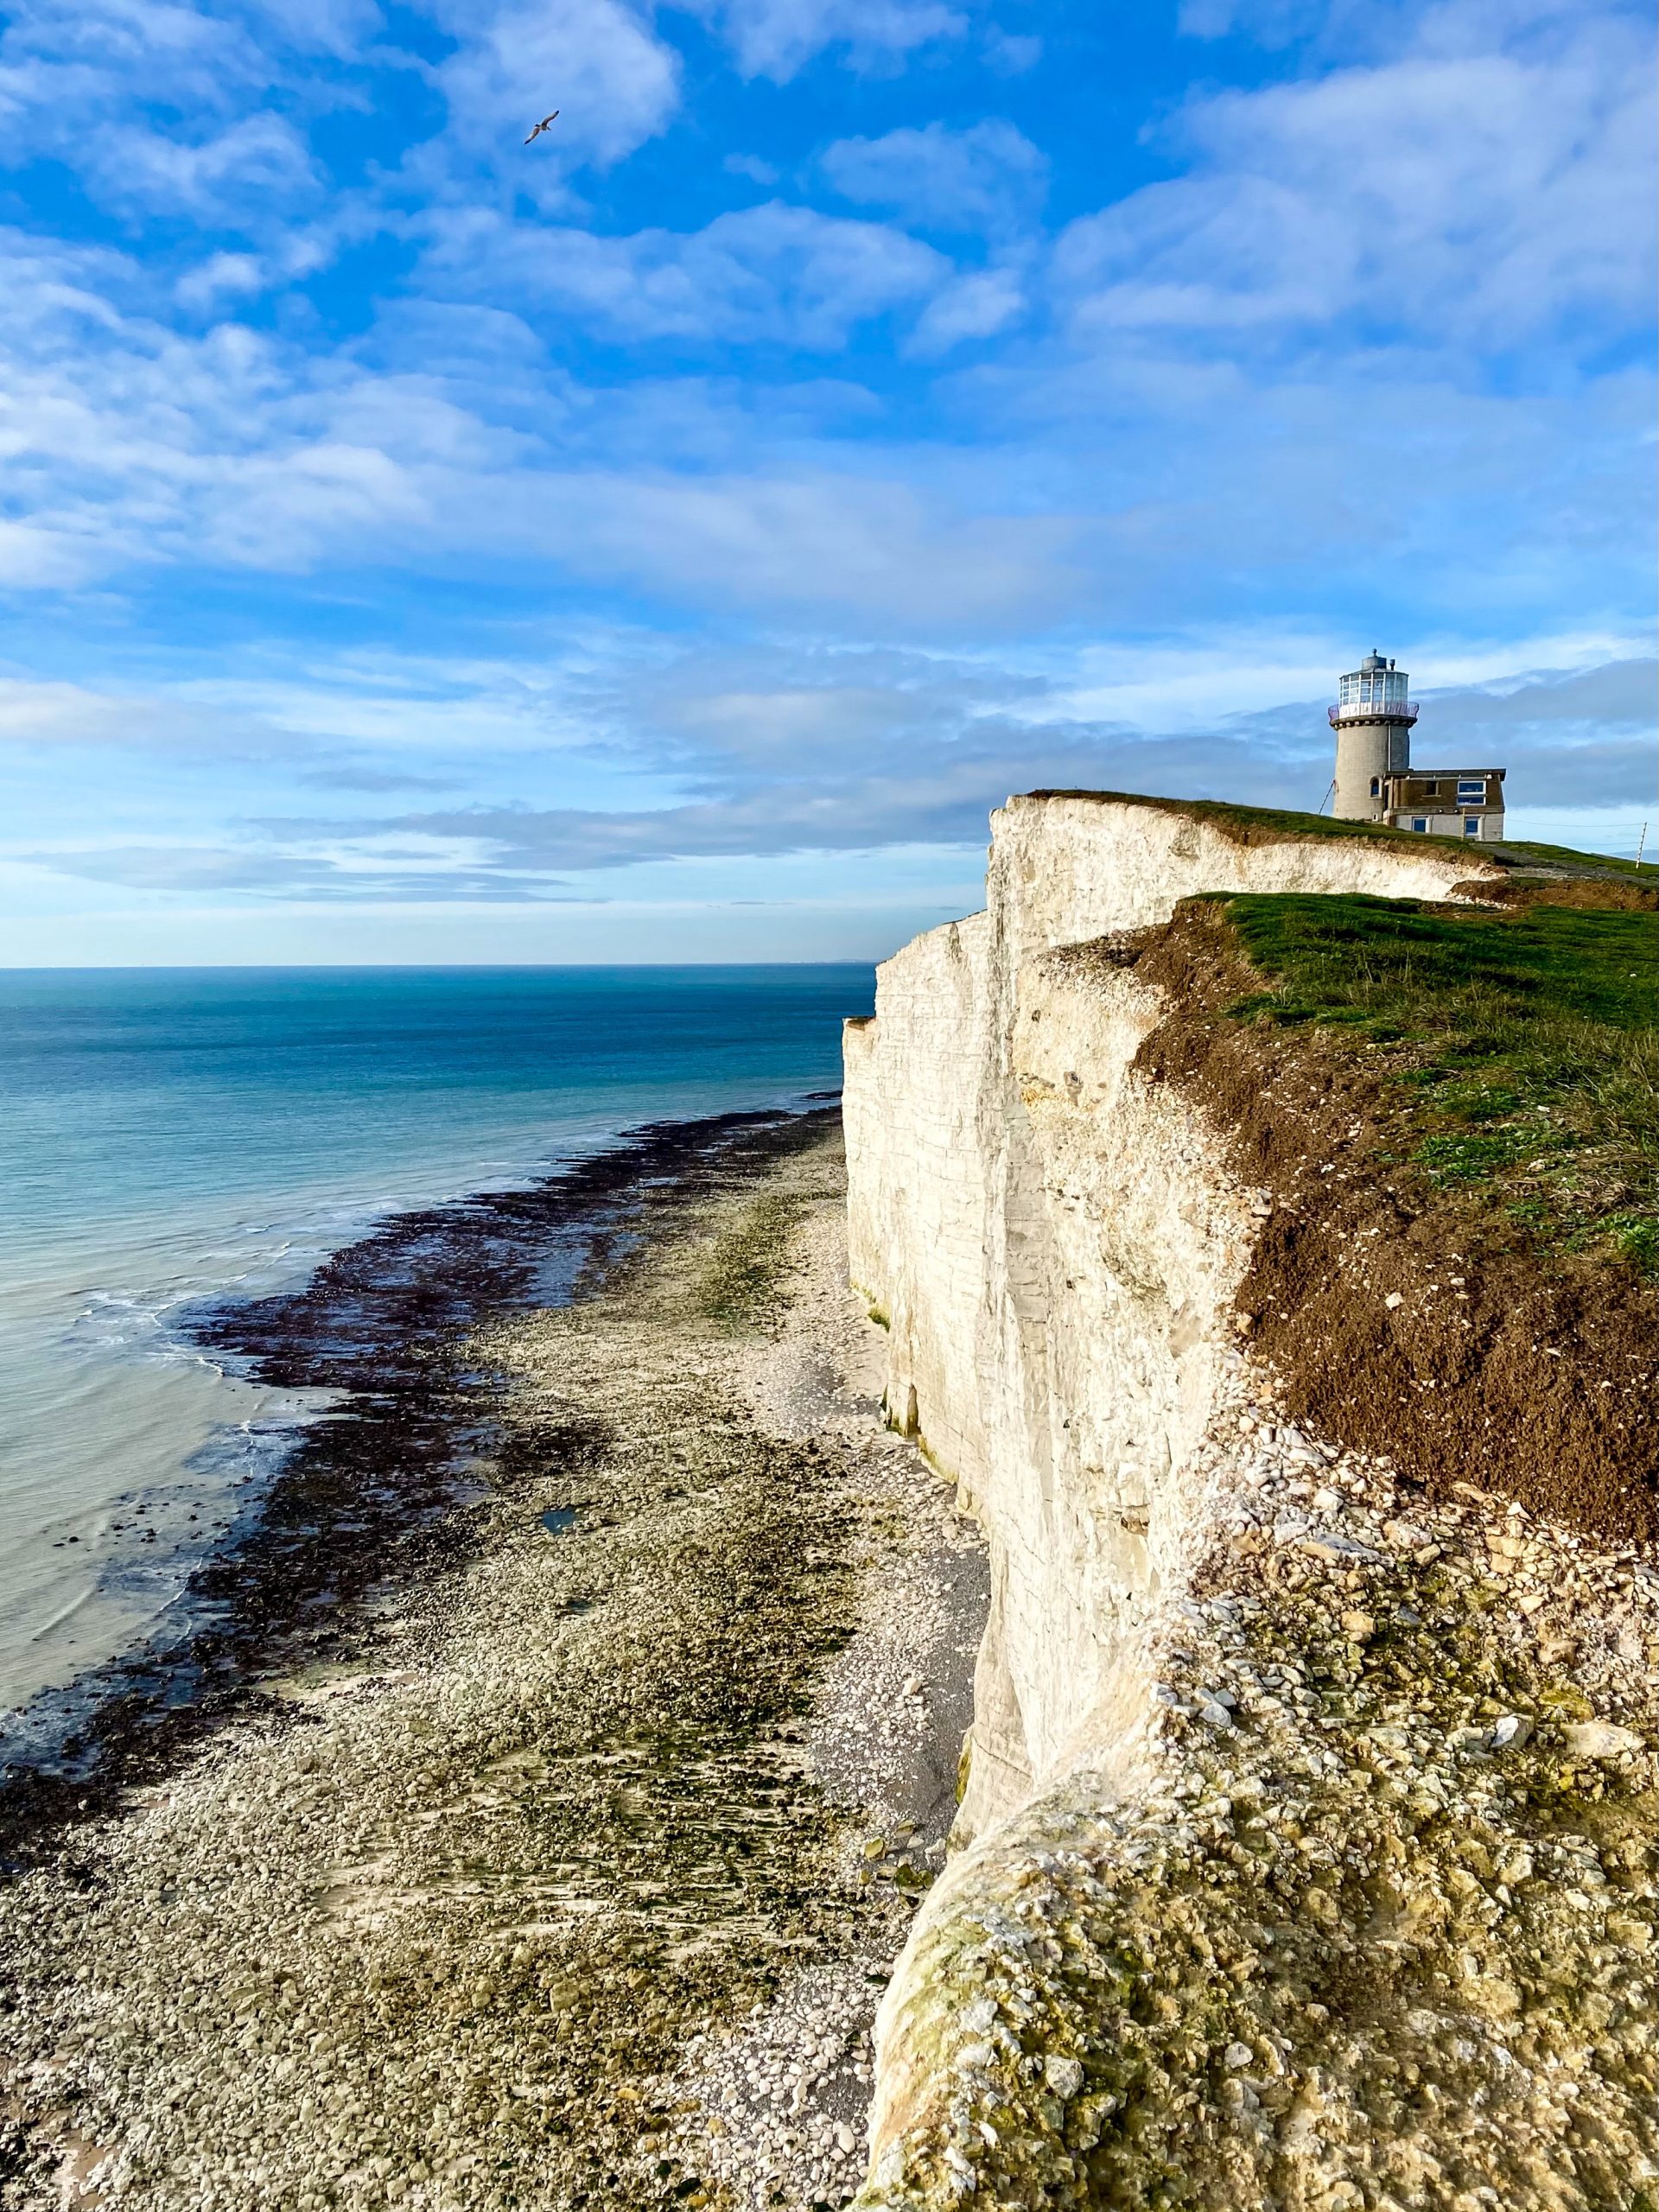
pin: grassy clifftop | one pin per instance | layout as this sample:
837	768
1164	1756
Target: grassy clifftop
1454	1108
1525	1043
1263	825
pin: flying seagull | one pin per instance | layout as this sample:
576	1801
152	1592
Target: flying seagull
541	126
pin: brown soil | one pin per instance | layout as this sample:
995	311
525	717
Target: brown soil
1603	890
1403	1321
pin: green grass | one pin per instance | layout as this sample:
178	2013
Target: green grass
1267	824
1272	824
1576	863
1524	1045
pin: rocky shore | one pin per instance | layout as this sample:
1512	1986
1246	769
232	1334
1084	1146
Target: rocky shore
574	1874
1357	1908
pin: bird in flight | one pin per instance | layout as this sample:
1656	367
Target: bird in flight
541	126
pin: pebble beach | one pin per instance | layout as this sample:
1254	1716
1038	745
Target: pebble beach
573	1875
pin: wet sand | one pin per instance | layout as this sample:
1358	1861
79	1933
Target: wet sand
565	1864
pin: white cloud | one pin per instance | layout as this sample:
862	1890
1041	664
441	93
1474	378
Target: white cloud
751	166
57	57
252	163
1462	195
47	557
231	90
283	510
614	83
859	751
773	747
990	177
76	76
777	38
368	722
222	276
775	272
1011	54
977	305
36	712
341	28
878	550
154	446
1232	674
234	447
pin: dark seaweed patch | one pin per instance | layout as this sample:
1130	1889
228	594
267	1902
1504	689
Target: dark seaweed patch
372	1494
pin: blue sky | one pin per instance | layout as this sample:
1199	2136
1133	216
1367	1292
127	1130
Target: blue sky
669	540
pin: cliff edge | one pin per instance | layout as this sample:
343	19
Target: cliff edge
1259	1216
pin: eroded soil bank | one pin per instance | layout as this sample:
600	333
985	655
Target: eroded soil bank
1333	1888
573	1875
1408	1319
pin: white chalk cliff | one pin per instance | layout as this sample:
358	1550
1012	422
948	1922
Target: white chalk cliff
1054	1244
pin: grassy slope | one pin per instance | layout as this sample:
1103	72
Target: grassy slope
1263	825
1271	825
1526	1040
1576	863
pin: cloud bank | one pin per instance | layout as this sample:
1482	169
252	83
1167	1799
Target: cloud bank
850	412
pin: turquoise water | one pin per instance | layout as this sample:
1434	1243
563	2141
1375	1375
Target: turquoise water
169	1135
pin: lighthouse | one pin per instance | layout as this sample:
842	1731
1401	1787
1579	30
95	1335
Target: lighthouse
1375	779
1372	719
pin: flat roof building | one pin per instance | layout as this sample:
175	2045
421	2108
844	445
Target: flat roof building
1375	779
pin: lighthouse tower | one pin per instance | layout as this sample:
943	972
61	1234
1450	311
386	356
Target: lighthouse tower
1372	719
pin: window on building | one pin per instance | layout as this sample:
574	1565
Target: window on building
1377	786
1431	789
1418	822
1471	825
1471	787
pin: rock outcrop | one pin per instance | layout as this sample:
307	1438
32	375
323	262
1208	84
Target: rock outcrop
1269	1807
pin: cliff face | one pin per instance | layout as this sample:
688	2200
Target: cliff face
1092	2010
1053	1245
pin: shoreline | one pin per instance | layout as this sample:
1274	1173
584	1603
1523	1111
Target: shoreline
562	1870
179	1140
373	1487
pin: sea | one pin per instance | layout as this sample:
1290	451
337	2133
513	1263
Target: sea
172	1139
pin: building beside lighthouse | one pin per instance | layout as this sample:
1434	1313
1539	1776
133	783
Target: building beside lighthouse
1376	780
